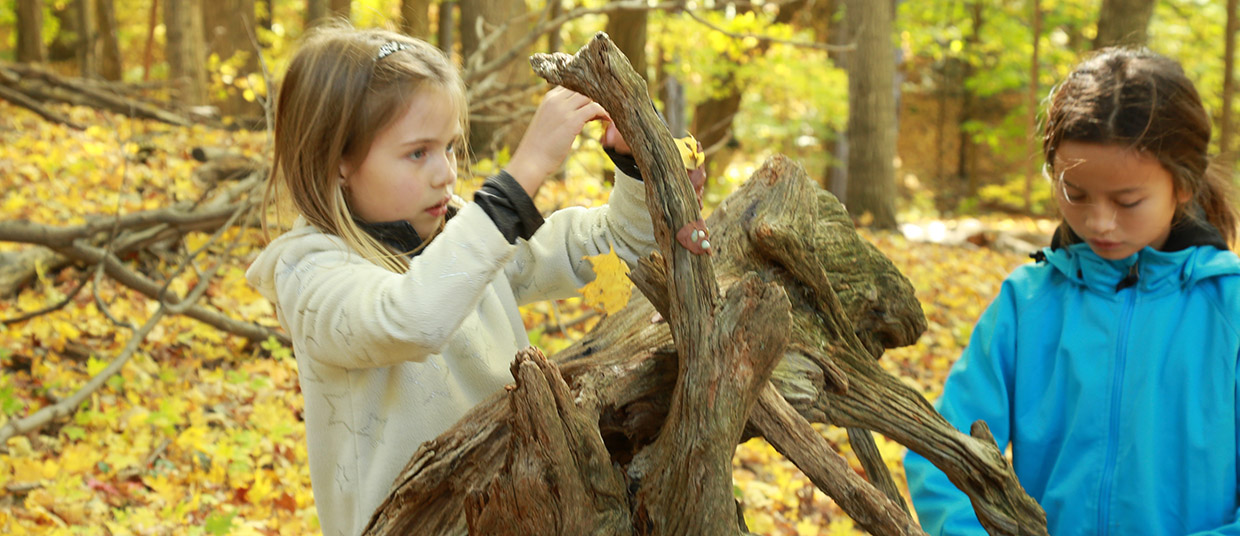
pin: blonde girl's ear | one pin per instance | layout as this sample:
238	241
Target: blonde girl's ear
345	172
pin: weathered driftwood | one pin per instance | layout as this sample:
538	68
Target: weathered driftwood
633	431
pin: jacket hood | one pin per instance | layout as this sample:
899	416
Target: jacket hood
301	239
1195	251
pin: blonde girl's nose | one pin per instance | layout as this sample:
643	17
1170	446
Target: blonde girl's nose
444	173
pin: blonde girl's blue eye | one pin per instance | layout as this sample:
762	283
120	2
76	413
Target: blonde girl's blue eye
417	154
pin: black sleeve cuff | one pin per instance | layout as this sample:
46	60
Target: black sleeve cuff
512	210
624	162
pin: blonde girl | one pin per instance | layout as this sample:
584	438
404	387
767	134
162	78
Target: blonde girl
402	299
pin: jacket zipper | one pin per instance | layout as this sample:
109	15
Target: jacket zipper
1108	468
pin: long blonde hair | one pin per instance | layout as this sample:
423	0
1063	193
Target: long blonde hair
337	94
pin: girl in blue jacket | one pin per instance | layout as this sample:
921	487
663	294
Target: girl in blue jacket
1110	365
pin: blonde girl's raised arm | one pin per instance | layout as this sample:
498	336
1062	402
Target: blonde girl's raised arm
552	263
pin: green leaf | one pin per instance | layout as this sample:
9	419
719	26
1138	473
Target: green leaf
9	403
220	524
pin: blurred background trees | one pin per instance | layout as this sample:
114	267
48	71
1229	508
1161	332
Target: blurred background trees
920	108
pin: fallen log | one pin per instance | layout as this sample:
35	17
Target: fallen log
639	419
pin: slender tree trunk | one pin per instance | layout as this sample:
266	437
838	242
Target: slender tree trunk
713	117
186	49
673	96
88	39
315	11
341	9
838	35
1124	22
555	37
627	28
502	127
109	47
416	18
1227	127
446	22
965	152
30	47
226	27
871	114
1034	94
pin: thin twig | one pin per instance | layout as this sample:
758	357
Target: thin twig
103	307
769	39
559	327
54	307
69	405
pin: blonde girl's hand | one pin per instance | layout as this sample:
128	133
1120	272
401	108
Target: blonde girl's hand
547	141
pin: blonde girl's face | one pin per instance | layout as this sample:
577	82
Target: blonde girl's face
1116	199
410	170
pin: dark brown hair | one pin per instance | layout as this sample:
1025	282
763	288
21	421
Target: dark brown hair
1135	98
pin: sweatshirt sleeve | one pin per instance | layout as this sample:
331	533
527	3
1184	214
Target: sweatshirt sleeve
978	387
552	263
348	312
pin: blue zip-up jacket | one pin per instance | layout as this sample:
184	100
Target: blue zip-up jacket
1116	384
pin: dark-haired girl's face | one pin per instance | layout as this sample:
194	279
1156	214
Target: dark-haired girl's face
1117	199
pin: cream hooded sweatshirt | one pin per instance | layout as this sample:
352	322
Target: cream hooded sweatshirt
387	361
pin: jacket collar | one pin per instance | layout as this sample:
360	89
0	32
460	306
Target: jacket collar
398	235
1195	250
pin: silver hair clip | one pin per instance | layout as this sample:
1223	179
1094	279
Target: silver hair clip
389	47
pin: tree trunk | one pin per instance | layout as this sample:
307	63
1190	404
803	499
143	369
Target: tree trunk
1227	127
88	40
627	28
555	36
228	27
109	46
1034	96
446	23
185	49
342	9
316	10
493	124
632	431
30	48
871	114
713	117
672	94
416	18
1124	22
965	170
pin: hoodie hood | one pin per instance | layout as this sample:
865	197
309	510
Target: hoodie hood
301	239
1195	251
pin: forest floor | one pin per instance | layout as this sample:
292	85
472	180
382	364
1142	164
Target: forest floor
200	433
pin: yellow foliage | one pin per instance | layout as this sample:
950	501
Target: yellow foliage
213	416
611	288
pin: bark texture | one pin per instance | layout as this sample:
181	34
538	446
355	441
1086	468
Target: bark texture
632	429
1124	22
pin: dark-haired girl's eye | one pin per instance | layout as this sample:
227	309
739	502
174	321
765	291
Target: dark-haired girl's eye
1130	205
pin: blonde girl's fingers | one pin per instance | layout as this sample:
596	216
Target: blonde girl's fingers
593	111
